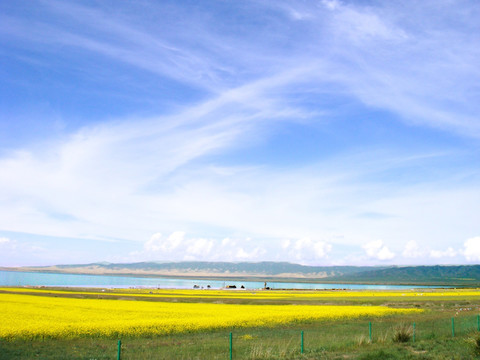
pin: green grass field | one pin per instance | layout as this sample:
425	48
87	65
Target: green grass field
328	339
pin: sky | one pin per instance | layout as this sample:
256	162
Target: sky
315	132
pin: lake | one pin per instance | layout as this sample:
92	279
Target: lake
16	278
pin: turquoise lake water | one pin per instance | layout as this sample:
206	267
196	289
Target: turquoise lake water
15	278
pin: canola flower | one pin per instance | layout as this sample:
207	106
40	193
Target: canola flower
28	316
260	295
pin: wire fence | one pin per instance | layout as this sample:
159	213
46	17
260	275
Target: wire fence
249	343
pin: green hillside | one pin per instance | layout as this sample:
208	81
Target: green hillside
437	274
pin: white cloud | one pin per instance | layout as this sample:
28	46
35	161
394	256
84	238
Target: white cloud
306	250
175	239
361	25
178	246
321	249
157	244
448	253
4	240
199	247
377	250
286	243
154	243
472	249
302	243
254	254
228	242
331	4
412	250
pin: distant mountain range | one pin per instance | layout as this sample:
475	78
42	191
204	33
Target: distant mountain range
462	275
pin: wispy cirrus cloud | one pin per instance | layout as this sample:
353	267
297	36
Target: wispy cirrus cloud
378	91
338	42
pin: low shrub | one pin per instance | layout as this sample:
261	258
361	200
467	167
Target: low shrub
402	333
476	344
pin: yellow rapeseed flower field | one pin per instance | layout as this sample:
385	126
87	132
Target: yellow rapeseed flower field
29	316
262	295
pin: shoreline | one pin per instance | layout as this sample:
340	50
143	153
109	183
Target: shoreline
268	279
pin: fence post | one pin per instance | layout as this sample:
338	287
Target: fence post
413	331
453	327
119	349
370	330
231	346
301	348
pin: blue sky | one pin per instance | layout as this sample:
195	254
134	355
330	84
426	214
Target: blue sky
317	132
